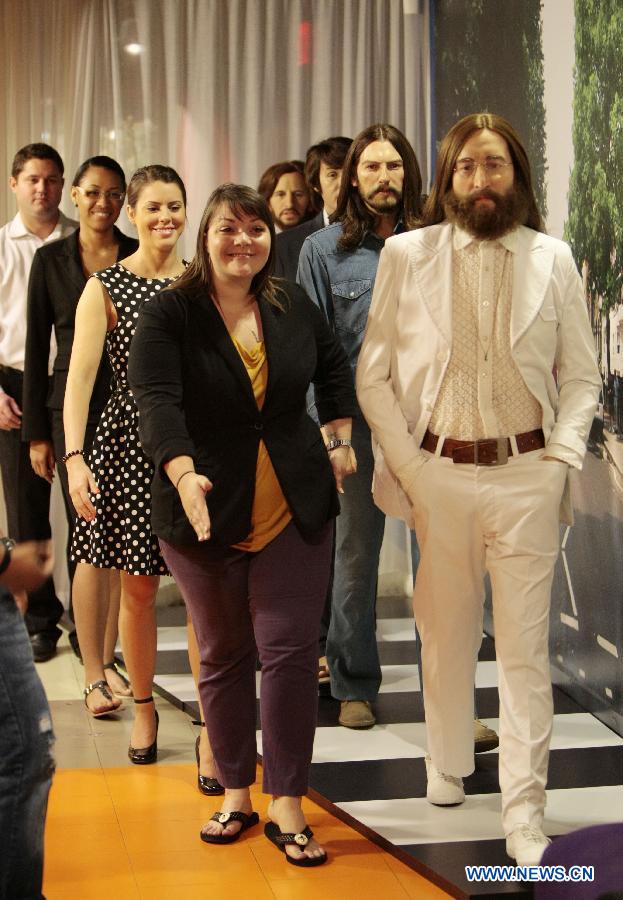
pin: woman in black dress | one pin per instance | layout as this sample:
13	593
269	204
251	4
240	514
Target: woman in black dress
110	487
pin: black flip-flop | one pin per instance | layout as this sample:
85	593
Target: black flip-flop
247	821
280	839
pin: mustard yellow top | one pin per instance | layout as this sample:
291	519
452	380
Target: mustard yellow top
270	513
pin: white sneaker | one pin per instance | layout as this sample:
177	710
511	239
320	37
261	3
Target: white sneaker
526	845
443	790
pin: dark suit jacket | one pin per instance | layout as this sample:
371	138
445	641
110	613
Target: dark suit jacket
288	246
56	282
195	398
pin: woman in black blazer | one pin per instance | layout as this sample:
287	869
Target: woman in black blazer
244	497
57	278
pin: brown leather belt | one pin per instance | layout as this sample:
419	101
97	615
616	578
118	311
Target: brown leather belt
487	451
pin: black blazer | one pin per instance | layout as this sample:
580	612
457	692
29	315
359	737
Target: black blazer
288	246
195	398
56	282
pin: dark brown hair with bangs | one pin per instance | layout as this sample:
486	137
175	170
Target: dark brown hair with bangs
240	199
449	150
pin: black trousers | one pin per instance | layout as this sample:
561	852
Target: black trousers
27	498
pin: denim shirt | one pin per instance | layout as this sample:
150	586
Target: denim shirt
340	282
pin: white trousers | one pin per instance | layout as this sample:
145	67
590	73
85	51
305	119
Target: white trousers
504	520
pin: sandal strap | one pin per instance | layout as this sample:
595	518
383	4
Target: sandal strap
235	816
301	839
98	685
144	700
113	668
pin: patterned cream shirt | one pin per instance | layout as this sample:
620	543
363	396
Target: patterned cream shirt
483	393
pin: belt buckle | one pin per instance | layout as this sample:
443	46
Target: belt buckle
498	447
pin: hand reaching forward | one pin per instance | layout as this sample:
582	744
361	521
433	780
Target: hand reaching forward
192	489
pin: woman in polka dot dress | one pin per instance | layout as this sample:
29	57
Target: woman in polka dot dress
111	489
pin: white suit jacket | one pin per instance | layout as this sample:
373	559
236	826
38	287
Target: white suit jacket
408	342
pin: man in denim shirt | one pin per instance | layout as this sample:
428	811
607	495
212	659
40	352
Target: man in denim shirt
380	195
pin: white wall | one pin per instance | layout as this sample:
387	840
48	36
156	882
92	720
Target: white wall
558	19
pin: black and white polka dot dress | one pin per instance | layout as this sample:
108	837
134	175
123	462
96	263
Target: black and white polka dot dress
120	536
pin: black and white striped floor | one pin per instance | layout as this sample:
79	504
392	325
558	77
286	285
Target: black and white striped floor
376	779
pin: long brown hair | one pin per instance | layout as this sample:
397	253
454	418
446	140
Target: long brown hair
449	150
240	199
351	210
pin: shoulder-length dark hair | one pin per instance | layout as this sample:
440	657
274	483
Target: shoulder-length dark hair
449	150
240	199
351	210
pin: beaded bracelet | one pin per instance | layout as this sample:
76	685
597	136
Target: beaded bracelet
72	453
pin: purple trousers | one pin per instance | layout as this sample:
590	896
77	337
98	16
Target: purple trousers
268	603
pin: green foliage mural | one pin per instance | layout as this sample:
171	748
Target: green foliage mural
594	227
489	58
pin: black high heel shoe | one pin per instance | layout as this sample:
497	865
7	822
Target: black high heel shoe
211	787
145	755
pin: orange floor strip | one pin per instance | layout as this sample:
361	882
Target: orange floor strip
133	834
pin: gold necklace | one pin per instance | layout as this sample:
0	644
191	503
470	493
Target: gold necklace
485	349
252	330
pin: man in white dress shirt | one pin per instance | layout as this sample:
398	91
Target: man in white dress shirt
37	183
478	378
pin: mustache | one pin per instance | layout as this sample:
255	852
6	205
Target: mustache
386	190
485	193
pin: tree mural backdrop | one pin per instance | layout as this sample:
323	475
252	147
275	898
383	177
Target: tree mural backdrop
595	221
489	58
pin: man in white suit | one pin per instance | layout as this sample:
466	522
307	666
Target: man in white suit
478	378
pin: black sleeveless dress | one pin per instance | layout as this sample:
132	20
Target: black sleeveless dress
120	535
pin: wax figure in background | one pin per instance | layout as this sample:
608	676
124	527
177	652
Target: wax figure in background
284	188
37	183
380	193
471	316
244	498
323	173
26	736
110	488
58	276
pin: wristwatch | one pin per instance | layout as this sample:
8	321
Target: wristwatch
339	442
8	544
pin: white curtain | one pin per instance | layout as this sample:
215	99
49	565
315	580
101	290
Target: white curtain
220	88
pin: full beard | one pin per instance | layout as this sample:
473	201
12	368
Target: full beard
485	222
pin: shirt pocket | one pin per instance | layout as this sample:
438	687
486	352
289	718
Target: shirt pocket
351	302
